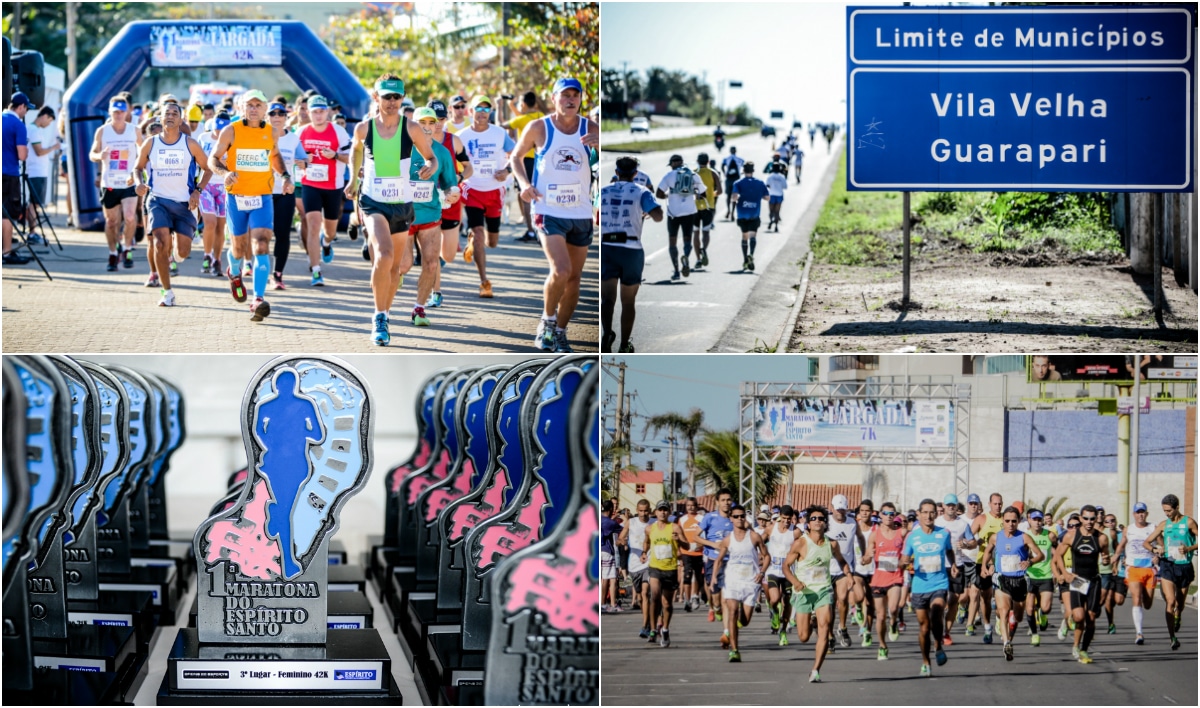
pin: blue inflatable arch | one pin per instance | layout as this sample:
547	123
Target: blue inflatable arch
123	62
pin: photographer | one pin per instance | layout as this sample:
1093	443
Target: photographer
15	150
43	143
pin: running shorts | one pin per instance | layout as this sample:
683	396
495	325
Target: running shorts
1033	586
212	201
171	215
1182	574
923	600
1014	586
777	581
865	576
693	567
577	232
806	601
775	200
981	582
639	578
1106	581
1089	601
708	574
240	222
877	591
453	212
745	593
1119	586
37	190
749	225
1141	576
113	197
488	202
970	574
704	218
1063	588
668	580
418	228
608	566
675	223
329	201
398	216
958	583
624	263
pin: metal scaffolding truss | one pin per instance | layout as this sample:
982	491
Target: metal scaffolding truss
752	455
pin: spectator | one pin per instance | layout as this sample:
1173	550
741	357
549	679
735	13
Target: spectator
15	151
43	142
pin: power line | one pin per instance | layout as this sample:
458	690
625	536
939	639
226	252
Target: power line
733	387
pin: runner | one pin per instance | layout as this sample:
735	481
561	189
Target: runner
451	215
1139	566
1175	571
483	192
1013	551
213	202
731	167
459	119
525	112
1039	577
427	224
1107	525
1120	587
962	540
115	148
284	205
846	533
328	147
864	611
883	548
1088	549
692	556
633	537
706	207
807	567
743	574
174	160
928	550
383	149
249	179
781	534
714	527
748	193
557	191
624	205
609	530
983	527
680	188
663	541
798	162
776	185
1061	567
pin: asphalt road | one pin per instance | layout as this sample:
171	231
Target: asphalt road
691	314
695	670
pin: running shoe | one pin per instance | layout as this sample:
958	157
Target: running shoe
901	626
774	621
168	299
652	638
1112	629
418	317
326	252
1084	658
970	631
987	635
725	642
318	281
112	262
1062	631
704	256
128	257
435	300
719	618
259	310
469	253
352	232
843	638
206	265
750	261
866	642
664	639
893	632
485	289
926	672
961	616
152	281
946	640
236	287
711	616
745	263
645	630
1008	651
606	347
277	277
735	656
814	677
858	616
1071	624
173	268
544	340
561	345
1178	619
1174	643
381	337
1140	640
1075	653
687	606
687	270
366	251
940	656
783	640
1036	640
247	269
882	654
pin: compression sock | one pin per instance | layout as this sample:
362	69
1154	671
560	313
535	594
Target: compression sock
1033	624
1138	613
262	270
753	244
674	251
745	246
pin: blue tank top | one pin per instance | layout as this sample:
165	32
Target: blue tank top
1010	552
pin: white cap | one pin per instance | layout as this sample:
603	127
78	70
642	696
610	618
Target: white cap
840	502
765	508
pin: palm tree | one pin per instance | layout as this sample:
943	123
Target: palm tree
1050	507
611	455
718	460
686	426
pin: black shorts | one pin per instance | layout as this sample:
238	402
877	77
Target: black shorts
705	218
1119	587
923	600
1061	588
958	583
114	197
780	582
285	209
1090	601
448	224
328	201
1014	587
866	578
12	197
1182	574
749	225
1106	581
882	592
476	218
693	567
399	216
668	580
981	582
675	223
1036	587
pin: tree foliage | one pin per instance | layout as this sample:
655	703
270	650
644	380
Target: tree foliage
718	463
686	427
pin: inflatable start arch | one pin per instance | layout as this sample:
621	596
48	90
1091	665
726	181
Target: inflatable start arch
288	45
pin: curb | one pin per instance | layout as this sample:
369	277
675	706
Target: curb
789	327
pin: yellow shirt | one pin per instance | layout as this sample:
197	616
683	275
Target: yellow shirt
518	124
711	179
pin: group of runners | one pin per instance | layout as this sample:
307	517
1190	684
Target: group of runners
693	197
954	566
412	172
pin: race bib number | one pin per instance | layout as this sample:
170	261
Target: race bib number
253	160
421	192
248	203
777	565
483	169
386	189
740	573
1175	551
815	576
930	564
888	563
297	173
318	173
1080	585
170	160
1010	564
693	546
565	195
662	552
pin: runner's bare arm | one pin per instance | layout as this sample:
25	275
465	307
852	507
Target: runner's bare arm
532	137
869	549
836	552
1067	540
722	549
143	159
986	561
1148	544
422	144
216	162
97	154
460	154
201	160
357	152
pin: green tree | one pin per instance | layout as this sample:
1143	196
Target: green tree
718	462
1056	508
685	426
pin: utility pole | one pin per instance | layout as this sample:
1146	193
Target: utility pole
1126	513
71	53
505	14
670	491
16	27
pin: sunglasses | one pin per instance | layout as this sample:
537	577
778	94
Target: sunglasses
1110	521
1012	521
888	513
737	516
278	113
816	518
460	106
482	109
1072	526
392	96
1087	518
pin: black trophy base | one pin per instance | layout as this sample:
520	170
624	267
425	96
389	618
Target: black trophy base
386	560
347	610
159	582
352	667
87	648
83	687
451	675
405	591
338	554
347	578
374	540
118	609
165	555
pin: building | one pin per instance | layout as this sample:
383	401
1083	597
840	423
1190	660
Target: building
637	485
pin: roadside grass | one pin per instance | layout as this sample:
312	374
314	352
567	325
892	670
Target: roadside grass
668	144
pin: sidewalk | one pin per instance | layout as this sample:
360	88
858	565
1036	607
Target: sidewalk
86	309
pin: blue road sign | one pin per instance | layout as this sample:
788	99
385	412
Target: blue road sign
1010	117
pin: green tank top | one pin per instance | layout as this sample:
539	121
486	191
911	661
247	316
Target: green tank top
1176	535
813	569
991	527
1041	570
664	554
1112	546
385	154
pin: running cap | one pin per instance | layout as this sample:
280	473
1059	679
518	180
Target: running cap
457	99
424	114
840	502
195	113
764	507
117	104
1035	514
318	102
627	165
1140	506
775	516
664	504
764	516
974	499
674	159
389	86
950	499
221	121
277	107
253	94
567	82
168	98
479	101
438	107
20	99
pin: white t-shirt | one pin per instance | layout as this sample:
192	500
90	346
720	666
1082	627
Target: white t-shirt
681	197
637	544
39	166
488	150
776	183
959	529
